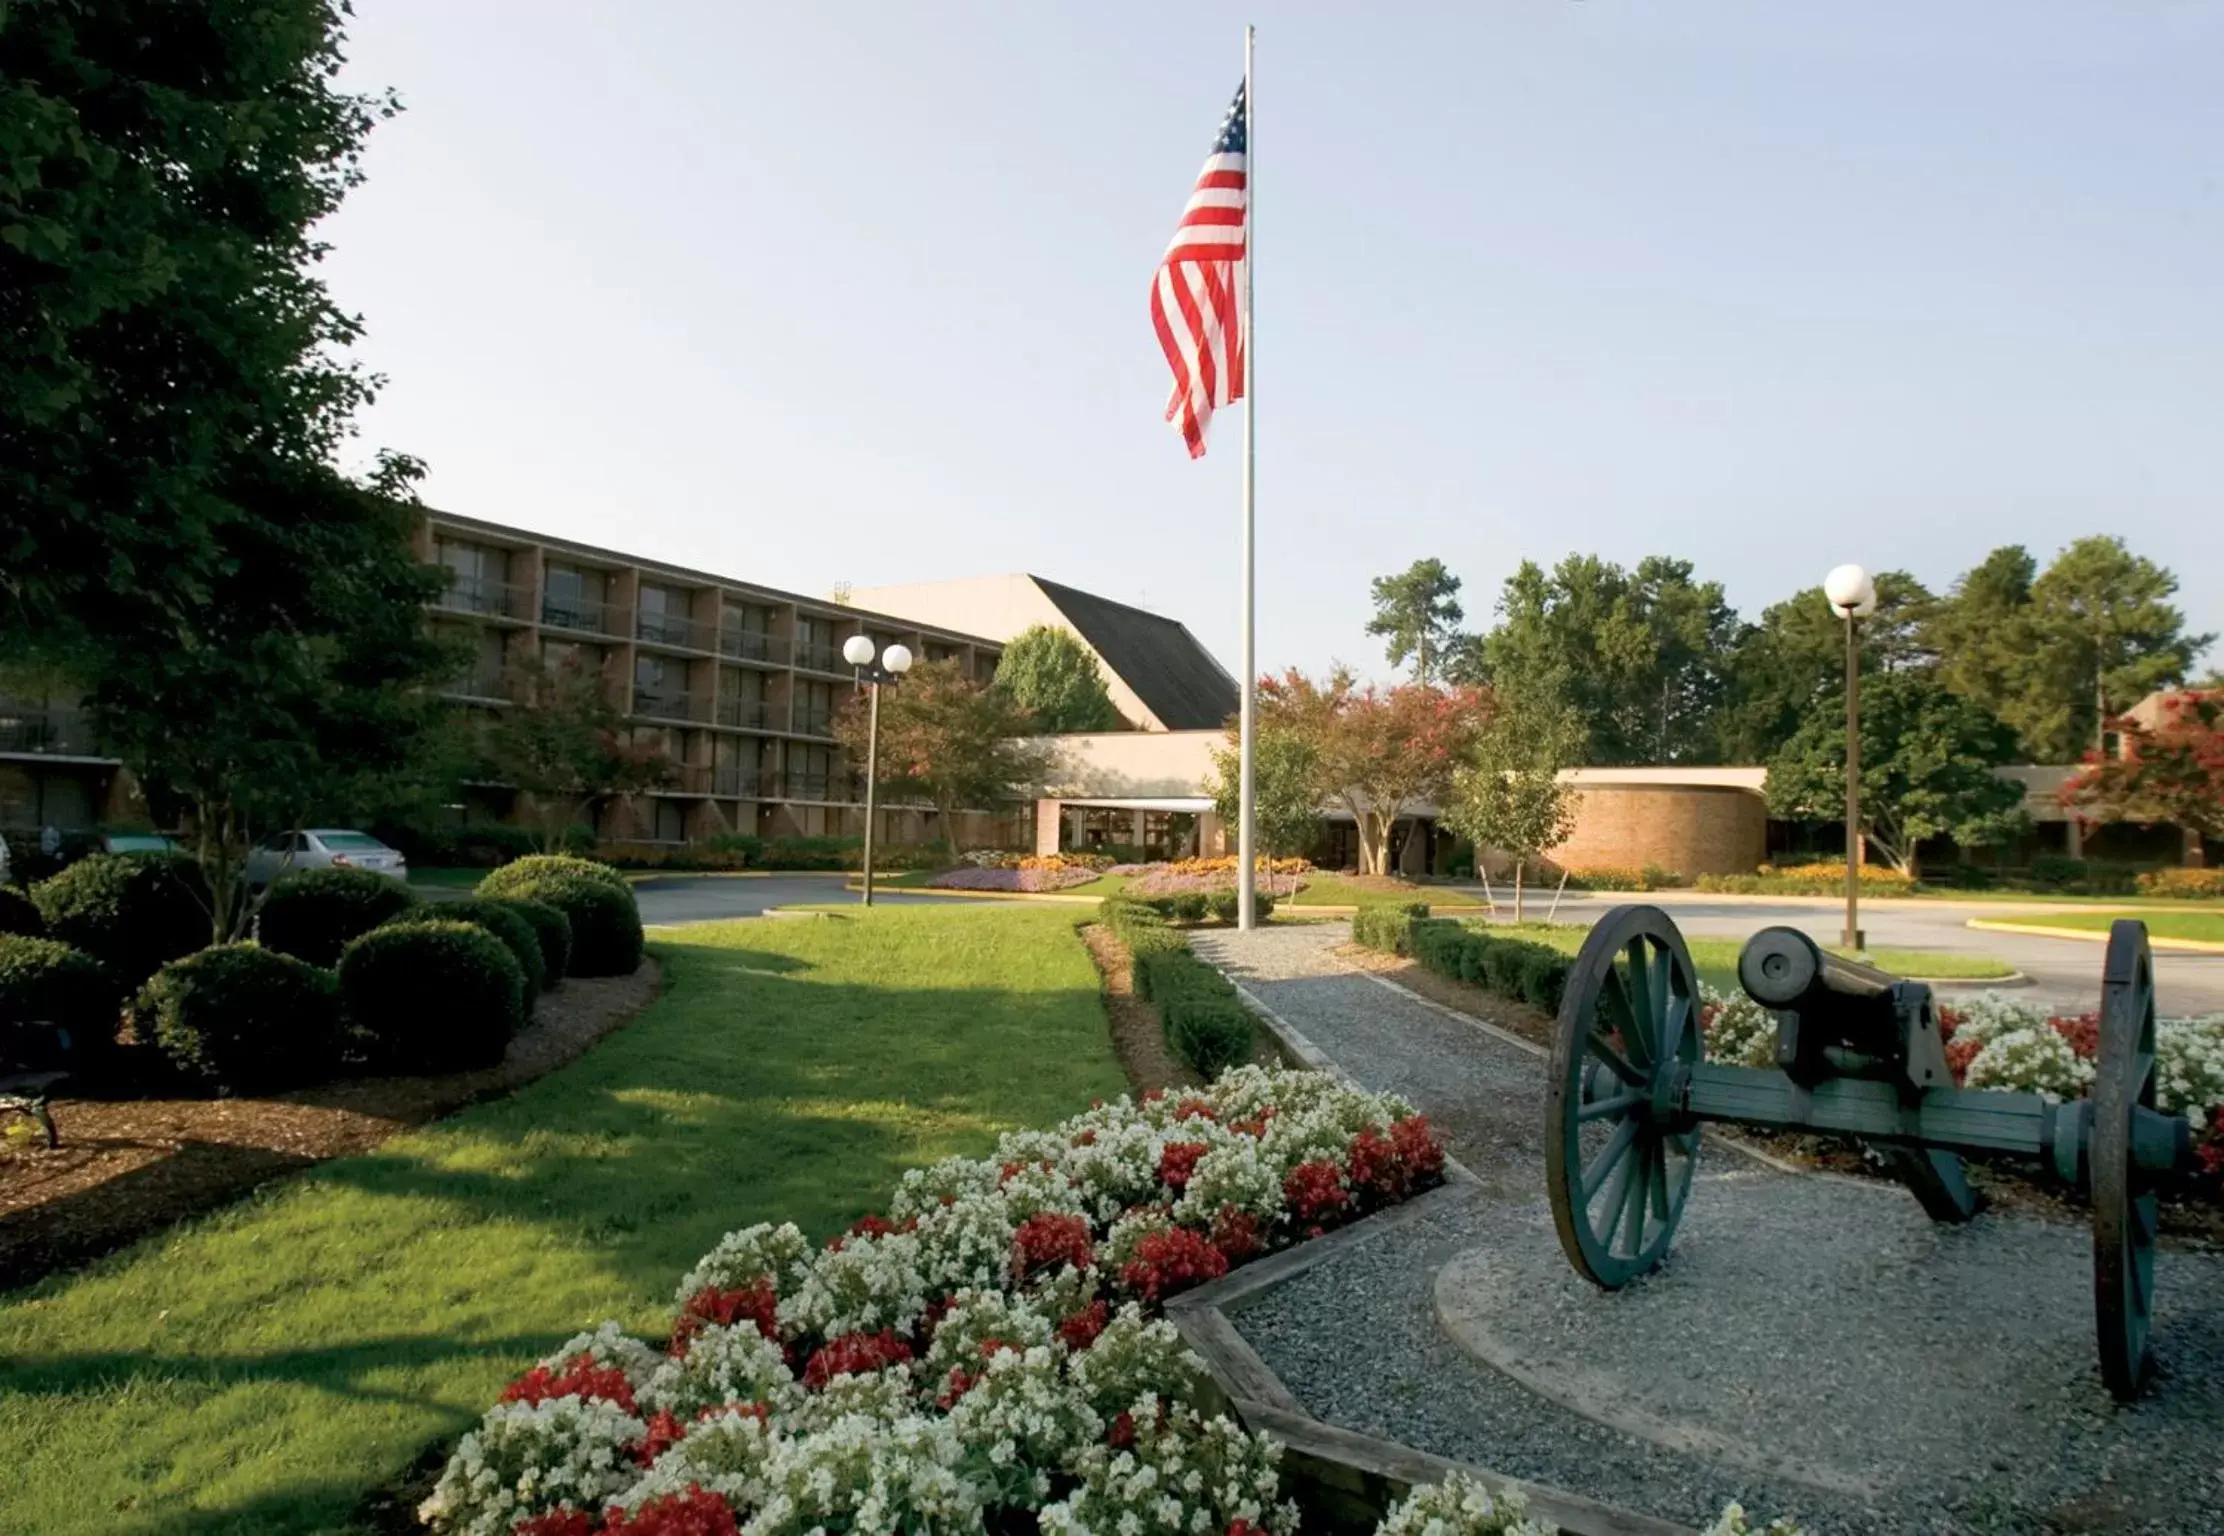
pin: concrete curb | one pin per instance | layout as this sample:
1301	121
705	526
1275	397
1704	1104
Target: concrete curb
2090	935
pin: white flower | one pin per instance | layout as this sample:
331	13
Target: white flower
954	1178
1733	1522
2189	1067
965	1243
1991	1014
885	1394
608	1345
1132	1359
974	1318
2030	1061
1743	1033
1023	1421
529	1458
721	1366
1183	1474
1237	1174
860	1474
1462	1506
724	1454
781	1254
867	1284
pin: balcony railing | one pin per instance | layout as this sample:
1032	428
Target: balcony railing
814	722
594	618
479	683
664	704
753	645
671	629
58	732
819	657
746	714
484	595
743	782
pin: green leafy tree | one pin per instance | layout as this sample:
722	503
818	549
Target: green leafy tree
563	745
1417	612
1640	655
1508	795
1049	673
1287	790
2105	616
2171	771
1789	668
1927	757
1990	644
955	744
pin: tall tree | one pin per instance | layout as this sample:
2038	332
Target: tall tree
1417	612
1639	654
1784	671
2172	771
1927	760
2106	614
1381	750
1049	673
947	739
1508	794
1287	790
563	745
1990	646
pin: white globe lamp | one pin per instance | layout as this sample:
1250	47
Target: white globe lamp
857	650
1852	592
897	659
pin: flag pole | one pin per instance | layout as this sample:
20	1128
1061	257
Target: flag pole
1246	833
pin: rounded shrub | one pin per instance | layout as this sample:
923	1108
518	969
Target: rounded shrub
130	911
1224	906
44	981
551	929
19	915
505	922
311	914
605	919
521	872
432	996
239	1018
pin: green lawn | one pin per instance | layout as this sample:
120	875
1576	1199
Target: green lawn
2205	926
1717	958
262	1369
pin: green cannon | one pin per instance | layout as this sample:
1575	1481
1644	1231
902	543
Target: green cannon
1858	1053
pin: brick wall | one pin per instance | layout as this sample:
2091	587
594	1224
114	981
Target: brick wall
1688	828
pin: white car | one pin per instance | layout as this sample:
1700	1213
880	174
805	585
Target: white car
323	848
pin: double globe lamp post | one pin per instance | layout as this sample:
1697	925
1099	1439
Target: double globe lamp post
894	662
1852	595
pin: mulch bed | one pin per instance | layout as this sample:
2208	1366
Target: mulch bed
1136	1037
128	1167
2002	1184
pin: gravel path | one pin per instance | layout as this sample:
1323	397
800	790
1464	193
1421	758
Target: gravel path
1813	1348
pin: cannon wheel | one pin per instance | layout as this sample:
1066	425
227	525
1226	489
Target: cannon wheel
2125	1215
1619	1153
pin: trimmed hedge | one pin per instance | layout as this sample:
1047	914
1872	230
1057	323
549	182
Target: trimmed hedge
44	981
432	996
505	922
130	911
18	915
605	919
239	1018
311	914
1519	970
1203	1020
1223	905
551	929
1387	926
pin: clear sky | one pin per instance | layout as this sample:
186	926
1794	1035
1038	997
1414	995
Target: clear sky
810	293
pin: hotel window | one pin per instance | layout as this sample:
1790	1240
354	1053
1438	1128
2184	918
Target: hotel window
478	576
663	616
572	597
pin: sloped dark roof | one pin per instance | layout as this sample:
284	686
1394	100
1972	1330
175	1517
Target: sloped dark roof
1159	658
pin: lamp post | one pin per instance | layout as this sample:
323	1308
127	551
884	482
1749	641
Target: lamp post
894	662
1852	595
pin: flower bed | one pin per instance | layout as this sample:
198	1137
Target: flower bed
1279	877
988	1356
1040	877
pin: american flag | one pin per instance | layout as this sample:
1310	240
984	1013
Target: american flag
1197	300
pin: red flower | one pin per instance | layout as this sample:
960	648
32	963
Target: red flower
557	1522
709	1307
1170	1262
1011	1171
1959	1054
1949	1020
1246	1528
1194	1109
697	1512
869	1226
1122	1433
1315	1192
1419	1148
2209	1150
665	1431
1048	1239
578	1377
1178	1162
959	1382
1373	1165
854	1354
1085	1139
1080	1330
2082	1032
1236	1234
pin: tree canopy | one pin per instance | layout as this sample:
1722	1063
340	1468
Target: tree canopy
1787	669
1417	614
949	740
1048	672
562	744
1508	794
1287	786
2171	771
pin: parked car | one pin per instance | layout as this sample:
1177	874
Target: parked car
322	848
137	842
3	861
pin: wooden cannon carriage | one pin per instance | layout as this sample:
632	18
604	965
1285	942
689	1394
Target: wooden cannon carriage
1858	1053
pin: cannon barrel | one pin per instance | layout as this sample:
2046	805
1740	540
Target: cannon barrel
1783	968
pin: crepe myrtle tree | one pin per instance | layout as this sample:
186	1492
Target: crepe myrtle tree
561	744
1508	794
2172	771
1379	749
949	741
1927	760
